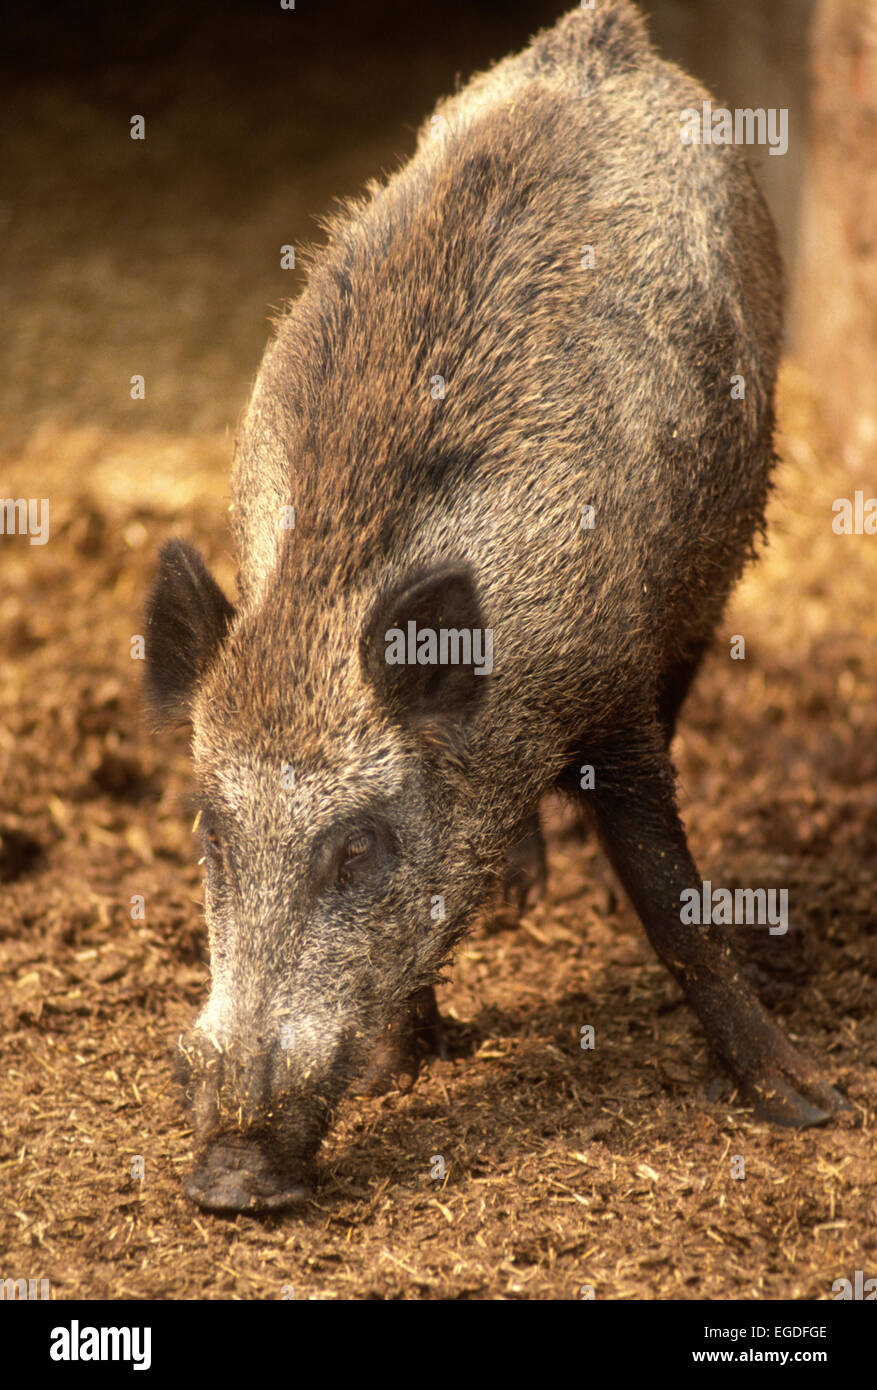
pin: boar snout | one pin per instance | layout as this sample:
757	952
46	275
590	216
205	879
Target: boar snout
257	1131
237	1173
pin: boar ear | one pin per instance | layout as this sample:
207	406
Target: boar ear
440	596
187	617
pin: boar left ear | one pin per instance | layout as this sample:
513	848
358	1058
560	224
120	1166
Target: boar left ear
441	596
187	617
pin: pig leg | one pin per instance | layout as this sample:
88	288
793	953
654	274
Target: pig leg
526	871
674	688
418	1033
634	803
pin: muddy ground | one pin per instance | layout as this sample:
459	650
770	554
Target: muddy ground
564	1168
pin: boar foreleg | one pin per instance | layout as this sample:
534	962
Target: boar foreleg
635	807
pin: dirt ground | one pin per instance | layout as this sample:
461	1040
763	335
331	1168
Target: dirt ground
564	1168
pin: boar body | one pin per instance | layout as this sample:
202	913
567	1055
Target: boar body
508	400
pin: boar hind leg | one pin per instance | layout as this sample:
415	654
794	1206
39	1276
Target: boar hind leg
634	802
674	688
417	1034
526	871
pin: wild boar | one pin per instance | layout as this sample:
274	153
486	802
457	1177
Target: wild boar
507	409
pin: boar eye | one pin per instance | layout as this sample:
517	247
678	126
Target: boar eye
354	852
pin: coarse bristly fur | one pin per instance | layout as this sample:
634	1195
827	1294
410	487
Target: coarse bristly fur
566	386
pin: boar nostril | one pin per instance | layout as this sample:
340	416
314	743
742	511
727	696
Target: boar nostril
237	1176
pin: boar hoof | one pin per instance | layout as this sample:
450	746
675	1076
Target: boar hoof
798	1101
232	1176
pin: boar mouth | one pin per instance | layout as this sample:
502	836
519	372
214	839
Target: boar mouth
235	1174
256	1134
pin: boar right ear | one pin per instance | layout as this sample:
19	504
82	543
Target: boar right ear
436	597
187	617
